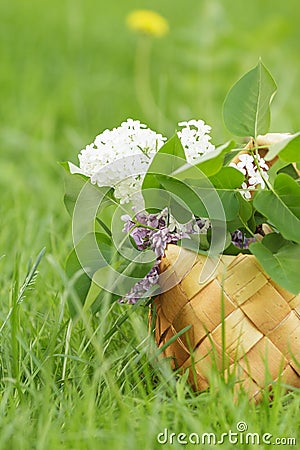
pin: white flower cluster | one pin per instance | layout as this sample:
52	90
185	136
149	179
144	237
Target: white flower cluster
253	175
132	145
195	139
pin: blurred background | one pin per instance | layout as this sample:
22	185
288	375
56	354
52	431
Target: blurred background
71	68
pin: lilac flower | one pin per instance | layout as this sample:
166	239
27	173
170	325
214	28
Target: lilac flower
140	289
159	240
150	220
150	231
254	176
141	237
128	223
240	240
155	232
117	157
195	139
203	224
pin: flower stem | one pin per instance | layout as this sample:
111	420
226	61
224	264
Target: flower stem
143	83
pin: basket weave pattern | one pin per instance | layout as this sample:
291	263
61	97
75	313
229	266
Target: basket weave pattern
261	323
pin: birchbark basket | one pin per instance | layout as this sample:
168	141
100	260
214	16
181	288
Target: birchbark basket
241	322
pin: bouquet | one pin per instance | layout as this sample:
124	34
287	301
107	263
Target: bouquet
135	192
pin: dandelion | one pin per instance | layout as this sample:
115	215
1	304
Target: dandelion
147	22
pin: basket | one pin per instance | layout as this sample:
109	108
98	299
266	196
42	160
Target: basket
239	320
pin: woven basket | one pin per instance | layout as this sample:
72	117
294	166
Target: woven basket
238	312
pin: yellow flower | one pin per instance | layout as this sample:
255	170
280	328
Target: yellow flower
148	22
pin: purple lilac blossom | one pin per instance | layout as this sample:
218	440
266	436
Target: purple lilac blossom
152	231
140	289
154	234
141	237
240	240
159	239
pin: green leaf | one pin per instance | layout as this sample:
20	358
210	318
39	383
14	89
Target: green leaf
282	206
183	199
290	170
93	261
244	214
115	283
234	250
198	198
227	178
81	284
246	110
106	271
169	157
288	149
232	154
289	192
75	182
280	260
219	234
196	242
230	203
169	161
223	186
65	165
172	147
210	163
73	185
280	166
105	216
274	241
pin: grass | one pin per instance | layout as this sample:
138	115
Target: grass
67	72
